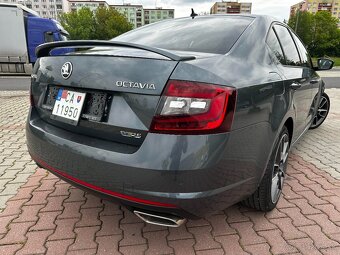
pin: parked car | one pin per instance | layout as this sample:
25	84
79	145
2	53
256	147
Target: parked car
177	119
22	30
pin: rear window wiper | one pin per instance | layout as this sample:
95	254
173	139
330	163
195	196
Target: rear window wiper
45	49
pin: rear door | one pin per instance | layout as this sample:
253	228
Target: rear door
297	79
315	80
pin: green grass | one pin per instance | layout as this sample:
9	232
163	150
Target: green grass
335	59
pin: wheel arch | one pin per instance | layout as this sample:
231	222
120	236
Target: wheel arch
286	122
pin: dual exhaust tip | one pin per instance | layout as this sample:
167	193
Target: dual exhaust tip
160	219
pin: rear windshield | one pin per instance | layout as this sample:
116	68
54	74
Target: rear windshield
214	34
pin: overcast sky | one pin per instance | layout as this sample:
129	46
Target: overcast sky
276	8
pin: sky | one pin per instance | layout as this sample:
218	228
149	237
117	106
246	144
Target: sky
277	8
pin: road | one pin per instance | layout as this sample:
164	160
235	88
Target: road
14	82
332	82
331	78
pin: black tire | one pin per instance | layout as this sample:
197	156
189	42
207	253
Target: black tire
262	198
321	112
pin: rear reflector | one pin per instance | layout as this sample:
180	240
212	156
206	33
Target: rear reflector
31	95
100	189
194	108
31	100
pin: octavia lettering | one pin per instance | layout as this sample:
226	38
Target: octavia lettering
136	85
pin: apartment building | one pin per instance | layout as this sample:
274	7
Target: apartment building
75	5
134	13
139	16
231	7
45	8
313	6
154	15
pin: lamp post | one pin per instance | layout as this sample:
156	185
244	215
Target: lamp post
298	15
297	19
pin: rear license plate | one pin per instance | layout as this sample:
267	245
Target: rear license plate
68	106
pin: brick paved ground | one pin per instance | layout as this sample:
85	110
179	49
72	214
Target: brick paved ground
46	215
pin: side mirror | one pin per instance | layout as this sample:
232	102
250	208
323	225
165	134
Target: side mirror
325	64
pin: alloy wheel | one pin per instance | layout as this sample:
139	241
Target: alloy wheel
279	169
321	113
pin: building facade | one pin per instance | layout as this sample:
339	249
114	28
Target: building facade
313	6
133	13
45	8
158	14
139	16
230	7
75	5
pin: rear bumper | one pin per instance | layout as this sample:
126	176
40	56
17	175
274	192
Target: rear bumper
189	176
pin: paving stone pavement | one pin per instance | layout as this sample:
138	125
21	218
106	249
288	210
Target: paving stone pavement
44	215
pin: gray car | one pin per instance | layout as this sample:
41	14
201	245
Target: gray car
177	119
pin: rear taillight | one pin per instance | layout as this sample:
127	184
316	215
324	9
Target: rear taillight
194	108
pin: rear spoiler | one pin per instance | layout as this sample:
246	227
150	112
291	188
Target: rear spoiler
45	49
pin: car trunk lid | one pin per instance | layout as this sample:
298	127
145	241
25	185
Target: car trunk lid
122	93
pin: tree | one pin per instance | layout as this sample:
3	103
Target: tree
102	24
302	24
326	36
318	31
110	23
80	24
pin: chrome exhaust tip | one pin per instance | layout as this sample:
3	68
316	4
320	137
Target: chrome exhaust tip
160	219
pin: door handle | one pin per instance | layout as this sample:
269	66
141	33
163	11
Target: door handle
295	85
314	81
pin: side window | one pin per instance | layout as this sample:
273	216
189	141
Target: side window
49	37
274	45
288	45
305	58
